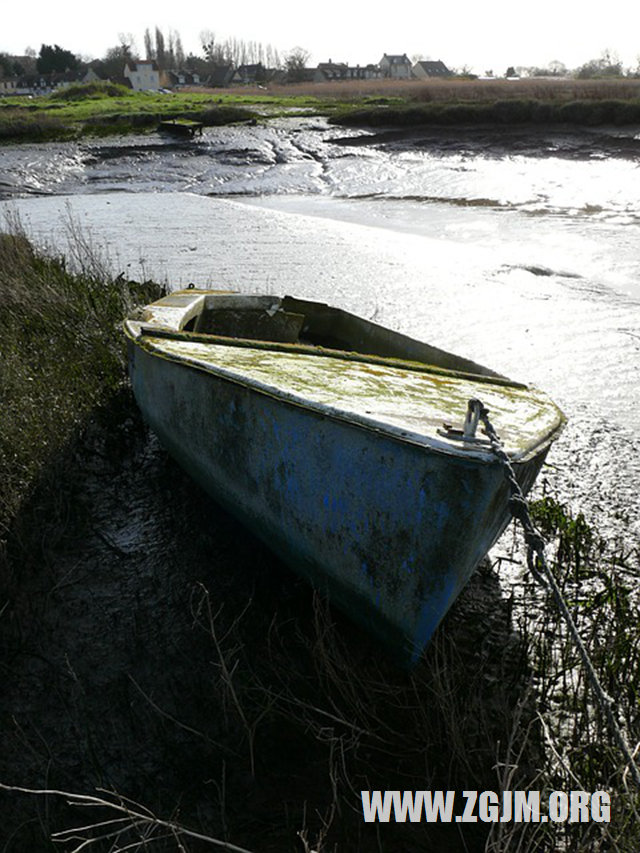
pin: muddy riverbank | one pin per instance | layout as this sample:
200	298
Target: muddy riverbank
152	647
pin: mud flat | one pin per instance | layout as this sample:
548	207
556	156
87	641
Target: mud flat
152	647
553	309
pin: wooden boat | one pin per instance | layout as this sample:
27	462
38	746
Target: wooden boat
324	434
181	127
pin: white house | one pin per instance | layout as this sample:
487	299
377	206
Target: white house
8	85
143	75
395	66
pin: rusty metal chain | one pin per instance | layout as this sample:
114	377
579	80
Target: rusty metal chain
539	567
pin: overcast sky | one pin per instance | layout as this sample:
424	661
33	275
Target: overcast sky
490	35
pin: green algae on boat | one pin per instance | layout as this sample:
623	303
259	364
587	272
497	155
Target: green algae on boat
342	444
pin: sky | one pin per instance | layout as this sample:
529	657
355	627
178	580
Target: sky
465	33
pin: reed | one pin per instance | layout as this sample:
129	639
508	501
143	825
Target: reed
497	113
454	90
61	352
302	713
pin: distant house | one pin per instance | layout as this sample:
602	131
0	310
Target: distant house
395	66
19	75
60	81
220	76
178	79
142	76
327	71
366	72
249	75
91	75
8	85
300	75
427	68
40	84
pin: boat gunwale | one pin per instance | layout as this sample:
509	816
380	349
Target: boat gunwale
463	450
147	329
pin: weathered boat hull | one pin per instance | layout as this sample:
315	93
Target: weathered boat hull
391	530
183	127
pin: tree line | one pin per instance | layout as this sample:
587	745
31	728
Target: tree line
164	48
167	51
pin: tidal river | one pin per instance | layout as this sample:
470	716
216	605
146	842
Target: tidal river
518	250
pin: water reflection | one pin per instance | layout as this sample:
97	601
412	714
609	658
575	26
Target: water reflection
591	175
524	262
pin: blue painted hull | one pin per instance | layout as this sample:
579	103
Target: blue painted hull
390	530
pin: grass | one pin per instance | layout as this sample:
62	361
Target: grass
62	356
261	713
500	112
104	110
100	109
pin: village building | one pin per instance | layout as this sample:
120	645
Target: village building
329	71
179	79
221	75
428	68
395	66
41	84
250	75
143	76
8	85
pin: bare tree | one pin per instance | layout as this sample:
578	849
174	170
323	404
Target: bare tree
272	57
208	42
608	65
238	52
179	51
112	64
127	45
557	68
295	63
160	49
170	57
149	48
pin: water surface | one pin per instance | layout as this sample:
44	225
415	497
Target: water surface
517	250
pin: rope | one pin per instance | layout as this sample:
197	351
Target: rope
539	567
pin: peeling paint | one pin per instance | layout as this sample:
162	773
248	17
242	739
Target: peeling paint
306	449
414	402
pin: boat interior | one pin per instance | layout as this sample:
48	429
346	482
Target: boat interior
291	321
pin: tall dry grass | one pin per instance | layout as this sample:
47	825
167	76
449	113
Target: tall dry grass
451	90
300	713
61	351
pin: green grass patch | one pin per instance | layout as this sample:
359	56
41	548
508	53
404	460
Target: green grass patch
99	108
17	126
97	89
103	110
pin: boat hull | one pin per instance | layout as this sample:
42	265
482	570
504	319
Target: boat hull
389	529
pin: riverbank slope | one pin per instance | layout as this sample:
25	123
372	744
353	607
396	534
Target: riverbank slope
99	109
151	647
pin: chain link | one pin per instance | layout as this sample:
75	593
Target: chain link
539	568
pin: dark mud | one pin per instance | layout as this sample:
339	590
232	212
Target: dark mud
503	141
152	647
